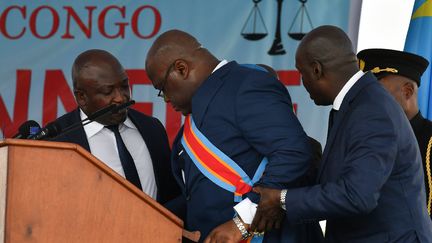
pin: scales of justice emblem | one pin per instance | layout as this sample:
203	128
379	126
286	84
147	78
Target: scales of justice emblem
254	28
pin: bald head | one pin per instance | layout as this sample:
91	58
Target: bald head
326	60
99	80
92	58
330	46
177	64
170	45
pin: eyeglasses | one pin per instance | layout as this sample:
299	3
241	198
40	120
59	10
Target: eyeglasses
164	81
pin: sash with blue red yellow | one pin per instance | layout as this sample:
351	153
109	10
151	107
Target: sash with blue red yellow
217	166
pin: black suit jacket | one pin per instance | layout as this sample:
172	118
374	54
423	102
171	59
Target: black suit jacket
155	138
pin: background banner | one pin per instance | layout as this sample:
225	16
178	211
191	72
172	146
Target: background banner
40	39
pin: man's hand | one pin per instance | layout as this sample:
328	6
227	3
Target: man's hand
227	232
269	213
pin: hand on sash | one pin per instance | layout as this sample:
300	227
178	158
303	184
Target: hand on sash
269	214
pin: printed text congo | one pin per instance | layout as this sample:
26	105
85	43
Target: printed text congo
111	22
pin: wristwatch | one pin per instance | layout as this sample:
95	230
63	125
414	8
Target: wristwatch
245	234
282	198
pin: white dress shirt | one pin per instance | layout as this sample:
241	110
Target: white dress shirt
348	85
103	146
220	64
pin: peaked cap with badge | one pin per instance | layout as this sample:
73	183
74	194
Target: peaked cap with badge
382	62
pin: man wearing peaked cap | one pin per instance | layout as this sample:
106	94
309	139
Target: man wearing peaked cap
400	72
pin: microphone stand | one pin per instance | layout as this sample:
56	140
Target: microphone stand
108	110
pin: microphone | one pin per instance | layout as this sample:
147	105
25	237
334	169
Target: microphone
97	114
105	111
49	131
100	112
122	106
26	129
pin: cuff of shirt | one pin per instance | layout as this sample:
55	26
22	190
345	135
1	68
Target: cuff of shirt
246	209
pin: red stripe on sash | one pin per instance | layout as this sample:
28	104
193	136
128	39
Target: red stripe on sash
214	165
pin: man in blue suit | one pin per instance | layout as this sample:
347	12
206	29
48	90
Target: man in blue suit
99	80
246	114
370	179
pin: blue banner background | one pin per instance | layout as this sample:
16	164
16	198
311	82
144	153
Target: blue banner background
216	24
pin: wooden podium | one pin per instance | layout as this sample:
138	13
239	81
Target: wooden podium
58	192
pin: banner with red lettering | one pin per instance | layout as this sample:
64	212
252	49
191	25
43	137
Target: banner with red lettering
39	41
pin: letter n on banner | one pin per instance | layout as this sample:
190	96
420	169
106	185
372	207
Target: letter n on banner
21	104
55	87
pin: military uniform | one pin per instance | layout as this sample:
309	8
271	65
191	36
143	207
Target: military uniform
383	62
423	131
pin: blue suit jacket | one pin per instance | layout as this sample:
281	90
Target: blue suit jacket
247	114
371	179
155	138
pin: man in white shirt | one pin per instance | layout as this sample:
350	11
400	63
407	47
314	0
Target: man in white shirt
371	173
131	143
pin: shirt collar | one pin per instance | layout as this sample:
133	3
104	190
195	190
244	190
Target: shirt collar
223	62
95	127
339	98
128	123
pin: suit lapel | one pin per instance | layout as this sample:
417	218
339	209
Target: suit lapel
349	98
207	91
79	136
333	131
177	160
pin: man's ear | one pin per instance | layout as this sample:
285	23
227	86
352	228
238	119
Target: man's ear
408	90
317	70
182	68
80	97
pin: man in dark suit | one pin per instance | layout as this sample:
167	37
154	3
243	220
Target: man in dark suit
131	143
370	179
400	74
246	114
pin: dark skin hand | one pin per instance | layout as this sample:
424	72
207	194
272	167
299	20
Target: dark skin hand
269	214
227	232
